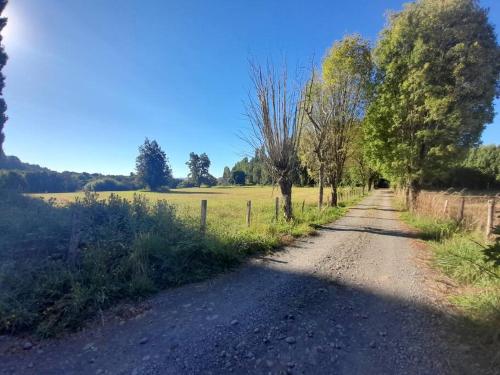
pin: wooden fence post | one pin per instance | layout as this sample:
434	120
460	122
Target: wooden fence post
490	221
277	208
461	209
445	208
203	215
249	212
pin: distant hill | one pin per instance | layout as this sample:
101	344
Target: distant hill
32	178
14	163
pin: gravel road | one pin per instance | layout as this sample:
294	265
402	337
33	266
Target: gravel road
351	300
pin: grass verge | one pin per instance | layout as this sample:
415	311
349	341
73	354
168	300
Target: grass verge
473	265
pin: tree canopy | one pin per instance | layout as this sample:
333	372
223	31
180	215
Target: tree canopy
438	64
152	167
198	170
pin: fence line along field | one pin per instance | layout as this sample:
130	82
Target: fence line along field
227	206
474	212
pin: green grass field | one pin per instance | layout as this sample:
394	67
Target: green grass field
227	208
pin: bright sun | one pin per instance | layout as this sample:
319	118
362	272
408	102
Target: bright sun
11	32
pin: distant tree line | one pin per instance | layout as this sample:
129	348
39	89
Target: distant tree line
254	171
153	172
43	180
480	170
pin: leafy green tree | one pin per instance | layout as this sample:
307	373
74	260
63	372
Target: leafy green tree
260	173
359	169
153	169
242	165
255	169
193	165
226	176
3	61
485	159
238	177
198	170
438	66
204	167
347	77
319	110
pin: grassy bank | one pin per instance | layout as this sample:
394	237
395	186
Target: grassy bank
473	264
64	259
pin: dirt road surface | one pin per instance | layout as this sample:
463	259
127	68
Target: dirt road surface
351	300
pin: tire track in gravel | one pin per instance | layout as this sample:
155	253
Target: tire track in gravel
347	301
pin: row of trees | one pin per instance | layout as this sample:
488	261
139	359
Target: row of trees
438	64
253	171
248	171
153	170
479	170
47	181
410	109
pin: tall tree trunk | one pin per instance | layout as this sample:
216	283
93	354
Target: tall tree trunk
286	193
414	191
334	199
334	184
407	196
321	184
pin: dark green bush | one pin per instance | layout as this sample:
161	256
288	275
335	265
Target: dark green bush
10	180
108	184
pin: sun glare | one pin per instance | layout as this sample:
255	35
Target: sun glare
13	30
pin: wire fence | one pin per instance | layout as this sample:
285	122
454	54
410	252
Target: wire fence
478	212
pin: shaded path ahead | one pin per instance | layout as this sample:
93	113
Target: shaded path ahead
349	301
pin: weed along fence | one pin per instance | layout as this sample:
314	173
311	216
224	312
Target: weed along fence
473	212
299	208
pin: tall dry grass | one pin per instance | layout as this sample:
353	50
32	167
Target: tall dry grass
446	205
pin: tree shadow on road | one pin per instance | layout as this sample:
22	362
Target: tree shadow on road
265	319
366	229
372	218
361	207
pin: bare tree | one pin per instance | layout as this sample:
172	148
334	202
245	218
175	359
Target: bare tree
319	109
275	117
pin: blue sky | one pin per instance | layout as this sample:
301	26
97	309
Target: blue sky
88	80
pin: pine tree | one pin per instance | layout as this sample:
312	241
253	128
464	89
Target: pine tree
153	170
